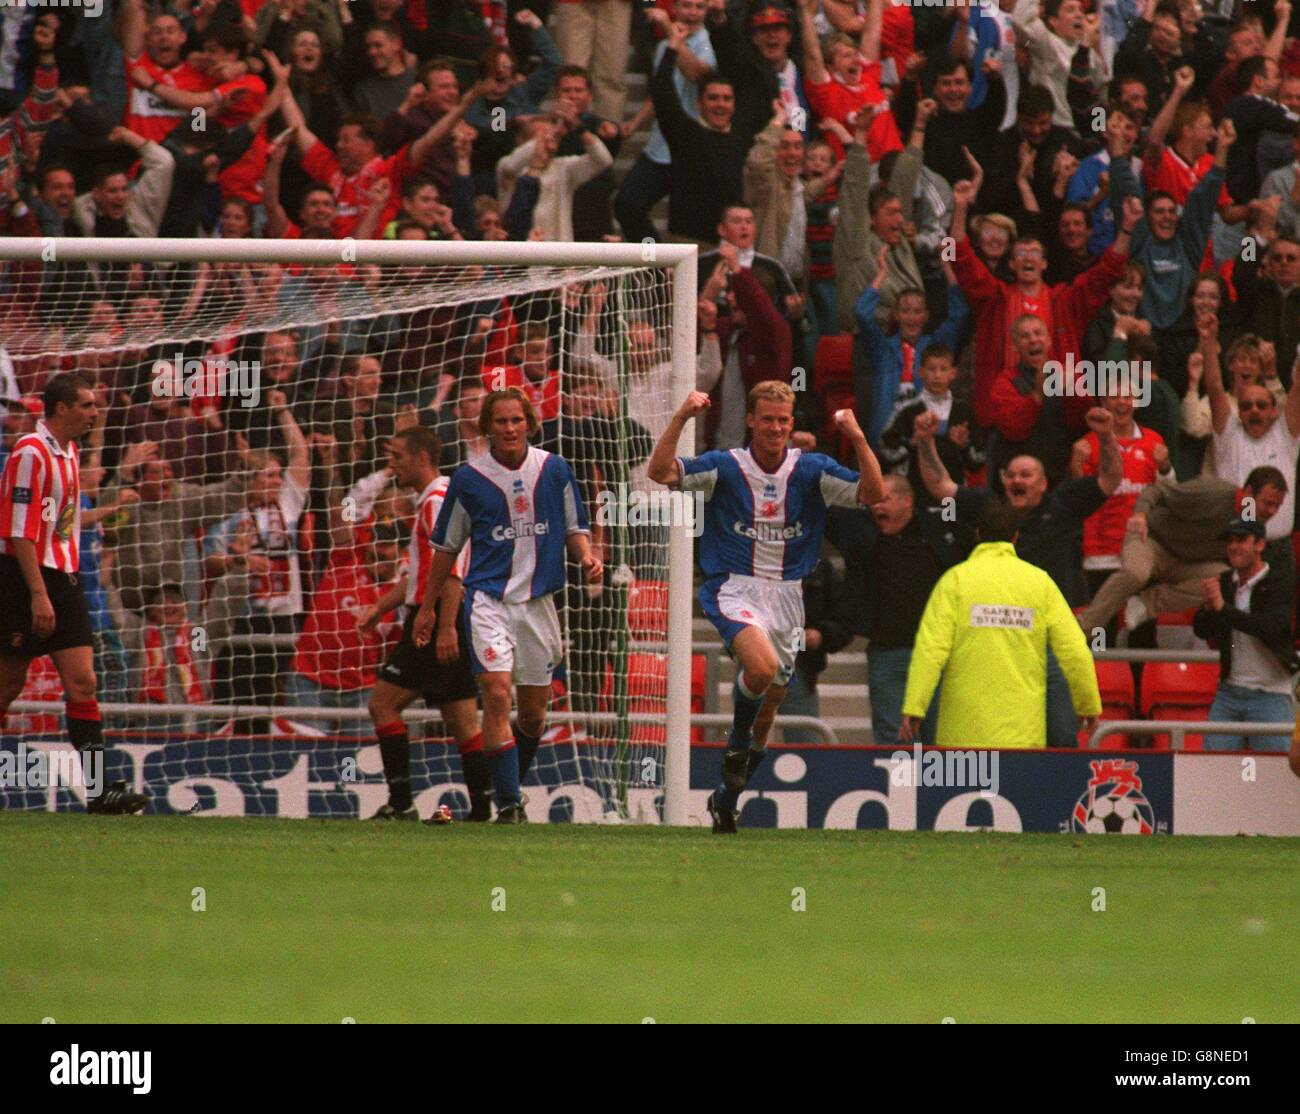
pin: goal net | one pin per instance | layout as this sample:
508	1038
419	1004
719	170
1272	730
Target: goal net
240	518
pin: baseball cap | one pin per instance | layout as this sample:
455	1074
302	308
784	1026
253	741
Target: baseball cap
1241	527
770	15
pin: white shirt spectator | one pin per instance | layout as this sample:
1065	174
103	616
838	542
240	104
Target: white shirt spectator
1236	455
1253	666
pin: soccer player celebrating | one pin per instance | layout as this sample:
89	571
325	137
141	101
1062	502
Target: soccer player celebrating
765	513
519	508
439	672
42	607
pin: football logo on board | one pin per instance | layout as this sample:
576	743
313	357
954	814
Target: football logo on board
1114	802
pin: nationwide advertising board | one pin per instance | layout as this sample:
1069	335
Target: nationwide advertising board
806	786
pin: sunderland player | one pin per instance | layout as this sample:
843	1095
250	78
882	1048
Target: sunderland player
440	672
765	512
519	508
42	607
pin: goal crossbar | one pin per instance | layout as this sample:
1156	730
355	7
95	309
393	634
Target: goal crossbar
679	260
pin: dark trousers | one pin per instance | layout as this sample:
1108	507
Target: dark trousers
645	185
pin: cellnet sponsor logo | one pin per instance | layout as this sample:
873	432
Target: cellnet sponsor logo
113	1069
519	530
768	531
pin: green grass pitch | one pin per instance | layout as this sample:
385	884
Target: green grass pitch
310	921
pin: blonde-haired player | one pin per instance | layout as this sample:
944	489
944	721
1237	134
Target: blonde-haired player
765	514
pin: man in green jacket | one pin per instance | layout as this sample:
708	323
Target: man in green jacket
986	630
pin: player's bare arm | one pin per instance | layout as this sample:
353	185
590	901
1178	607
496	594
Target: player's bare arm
579	548
439	571
662	467
871	481
448	643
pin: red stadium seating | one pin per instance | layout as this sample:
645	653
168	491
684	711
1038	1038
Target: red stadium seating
1176	618
1118	700
833	382
833	362
647	681
1179	690
647	608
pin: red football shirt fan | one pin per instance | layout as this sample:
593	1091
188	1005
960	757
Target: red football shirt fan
835	100
350	191
331	651
1103	531
146	115
241	100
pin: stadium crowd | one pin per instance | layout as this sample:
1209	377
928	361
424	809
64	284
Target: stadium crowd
952	217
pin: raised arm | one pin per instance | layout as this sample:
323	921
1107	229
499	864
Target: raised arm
421	147
1207	328
1277	40
871	482
1184	79
134	23
869	44
305	138
933	473
299	472
814	69
1292	410
277	220
662	466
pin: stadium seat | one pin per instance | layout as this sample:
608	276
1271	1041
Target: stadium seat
833	384
647	608
1178	690
1118	700
647	676
1176	618
833	362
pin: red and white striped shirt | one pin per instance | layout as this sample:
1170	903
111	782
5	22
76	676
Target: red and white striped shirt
40	499
420	551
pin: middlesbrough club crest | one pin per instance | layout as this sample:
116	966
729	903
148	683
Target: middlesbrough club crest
521	504
1114	801
769	510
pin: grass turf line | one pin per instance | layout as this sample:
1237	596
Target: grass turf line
311	921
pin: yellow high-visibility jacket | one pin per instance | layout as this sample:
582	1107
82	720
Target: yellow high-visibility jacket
986	630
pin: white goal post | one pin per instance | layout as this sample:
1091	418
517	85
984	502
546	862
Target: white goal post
676	263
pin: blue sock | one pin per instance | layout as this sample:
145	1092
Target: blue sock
527	745
745	706
505	774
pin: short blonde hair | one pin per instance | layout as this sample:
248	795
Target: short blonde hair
770	390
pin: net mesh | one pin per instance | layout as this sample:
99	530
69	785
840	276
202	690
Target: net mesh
244	519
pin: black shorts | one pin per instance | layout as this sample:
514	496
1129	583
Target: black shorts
71	615
417	668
